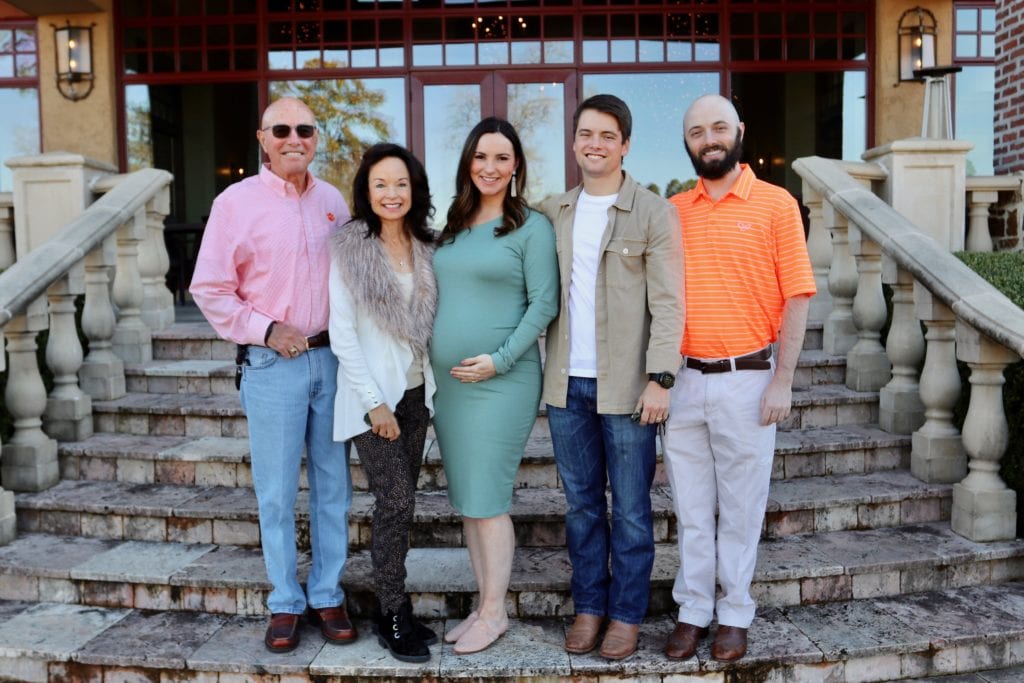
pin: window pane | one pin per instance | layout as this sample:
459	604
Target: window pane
352	114
988	46
537	110
657	102
988	20
19	118
967	45
967	19
449	113
975	98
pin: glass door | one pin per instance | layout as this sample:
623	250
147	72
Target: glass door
447	106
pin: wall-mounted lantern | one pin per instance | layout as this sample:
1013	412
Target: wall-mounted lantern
73	45
917	32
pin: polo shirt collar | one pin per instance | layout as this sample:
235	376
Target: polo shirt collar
280	186
741	188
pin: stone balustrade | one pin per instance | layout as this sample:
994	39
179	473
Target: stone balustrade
982	194
964	319
57	244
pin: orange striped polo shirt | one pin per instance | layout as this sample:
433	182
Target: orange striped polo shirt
744	256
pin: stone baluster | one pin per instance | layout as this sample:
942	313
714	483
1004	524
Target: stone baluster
839	333
900	410
8	523
157	300
132	339
30	457
978	236
102	373
819	248
867	366
6	236
984	508
68	415
937	451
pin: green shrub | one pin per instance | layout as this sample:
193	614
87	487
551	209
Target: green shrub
1005	271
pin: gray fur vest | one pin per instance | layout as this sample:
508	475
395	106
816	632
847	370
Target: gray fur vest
366	272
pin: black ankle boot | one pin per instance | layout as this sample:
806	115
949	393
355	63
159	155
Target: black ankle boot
426	635
396	632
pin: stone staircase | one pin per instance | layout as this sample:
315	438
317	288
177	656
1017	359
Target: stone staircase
143	563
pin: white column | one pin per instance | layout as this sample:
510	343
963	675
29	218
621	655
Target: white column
133	341
867	366
819	248
6	233
30	457
984	508
8	523
102	373
978	236
839	333
68	415
900	410
157	300
937	451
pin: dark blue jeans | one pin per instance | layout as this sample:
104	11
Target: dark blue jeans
611	563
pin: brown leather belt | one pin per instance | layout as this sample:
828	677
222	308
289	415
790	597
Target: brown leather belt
318	340
758	360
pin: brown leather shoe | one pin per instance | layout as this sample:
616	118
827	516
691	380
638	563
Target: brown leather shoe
682	644
620	640
730	643
334	624
282	633
582	635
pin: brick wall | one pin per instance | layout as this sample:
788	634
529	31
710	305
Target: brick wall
1009	86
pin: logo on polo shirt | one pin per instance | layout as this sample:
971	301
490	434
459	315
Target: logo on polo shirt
744	226
330	216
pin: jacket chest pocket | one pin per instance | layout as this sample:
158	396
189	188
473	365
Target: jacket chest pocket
624	259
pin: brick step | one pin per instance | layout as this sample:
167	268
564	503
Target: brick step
227	515
173	414
224	461
198	375
931	634
795	570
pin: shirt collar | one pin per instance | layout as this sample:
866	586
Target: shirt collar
280	186
741	188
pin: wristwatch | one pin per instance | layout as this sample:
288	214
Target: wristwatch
665	380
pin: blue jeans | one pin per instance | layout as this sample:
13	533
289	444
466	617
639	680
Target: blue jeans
611	565
290	406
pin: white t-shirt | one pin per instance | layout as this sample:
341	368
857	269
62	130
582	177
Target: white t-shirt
414	375
588	228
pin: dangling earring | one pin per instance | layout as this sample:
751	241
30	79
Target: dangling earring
514	193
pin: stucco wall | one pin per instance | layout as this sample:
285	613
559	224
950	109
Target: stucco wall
898	108
89	126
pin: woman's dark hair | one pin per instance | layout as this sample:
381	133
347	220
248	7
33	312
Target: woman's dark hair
467	197
421	209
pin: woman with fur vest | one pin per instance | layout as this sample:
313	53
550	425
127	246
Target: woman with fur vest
383	298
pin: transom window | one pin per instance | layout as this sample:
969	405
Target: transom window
19	94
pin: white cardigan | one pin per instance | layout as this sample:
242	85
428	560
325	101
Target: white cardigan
372	364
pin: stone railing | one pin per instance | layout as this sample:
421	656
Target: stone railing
857	243
120	236
982	194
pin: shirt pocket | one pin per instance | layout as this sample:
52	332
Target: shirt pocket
624	259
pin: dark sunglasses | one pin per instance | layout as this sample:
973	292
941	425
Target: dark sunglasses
282	130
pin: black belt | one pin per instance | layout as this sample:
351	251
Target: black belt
758	360
317	340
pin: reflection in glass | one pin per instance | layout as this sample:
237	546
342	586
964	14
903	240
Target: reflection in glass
351	115
526	52
855	114
137	127
558	51
19	119
449	113
537	110
657	102
975	98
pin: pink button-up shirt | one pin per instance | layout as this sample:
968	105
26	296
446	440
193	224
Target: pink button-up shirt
265	257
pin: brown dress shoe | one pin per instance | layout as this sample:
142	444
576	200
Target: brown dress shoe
620	640
334	624
730	643
682	644
283	632
582	636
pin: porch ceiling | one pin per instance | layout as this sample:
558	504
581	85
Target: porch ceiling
38	8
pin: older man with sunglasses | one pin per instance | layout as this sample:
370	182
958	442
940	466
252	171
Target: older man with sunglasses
261	281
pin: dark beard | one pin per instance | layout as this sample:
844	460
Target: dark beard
713	170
